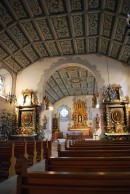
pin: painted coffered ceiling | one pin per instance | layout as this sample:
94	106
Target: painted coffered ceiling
34	29
70	81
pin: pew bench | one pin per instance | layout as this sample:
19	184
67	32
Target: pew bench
93	153
101	141
98	147
74	183
97	143
5	160
12	151
90	164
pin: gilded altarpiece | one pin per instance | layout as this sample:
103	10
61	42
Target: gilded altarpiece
27	114
116	112
80	118
116	117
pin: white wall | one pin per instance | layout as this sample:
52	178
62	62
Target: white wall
35	76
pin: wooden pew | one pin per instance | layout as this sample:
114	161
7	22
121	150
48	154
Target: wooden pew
13	150
98	147
88	164
93	153
5	160
97	143
102	141
74	183
43	149
33	150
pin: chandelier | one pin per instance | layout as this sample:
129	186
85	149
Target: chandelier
11	98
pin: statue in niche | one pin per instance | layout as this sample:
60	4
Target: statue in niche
79	118
29	98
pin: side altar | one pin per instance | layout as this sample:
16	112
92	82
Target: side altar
80	120
27	117
116	114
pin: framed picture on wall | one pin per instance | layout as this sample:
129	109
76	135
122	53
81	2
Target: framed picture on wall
116	114
27	117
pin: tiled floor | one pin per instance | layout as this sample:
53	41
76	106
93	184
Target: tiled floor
9	186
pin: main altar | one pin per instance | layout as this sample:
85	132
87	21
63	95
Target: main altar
80	120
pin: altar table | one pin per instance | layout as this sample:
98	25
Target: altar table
84	131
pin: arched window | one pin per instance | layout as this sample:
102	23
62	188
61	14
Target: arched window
5	82
64	113
1	83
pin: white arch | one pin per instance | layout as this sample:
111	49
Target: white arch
74	62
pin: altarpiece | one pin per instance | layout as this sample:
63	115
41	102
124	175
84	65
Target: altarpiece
27	114
115	111
80	118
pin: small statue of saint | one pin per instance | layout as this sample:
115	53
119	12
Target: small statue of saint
79	118
46	103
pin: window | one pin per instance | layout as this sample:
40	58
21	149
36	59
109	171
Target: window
5	83
64	113
1	83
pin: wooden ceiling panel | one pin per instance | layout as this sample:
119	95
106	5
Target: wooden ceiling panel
33	29
57	28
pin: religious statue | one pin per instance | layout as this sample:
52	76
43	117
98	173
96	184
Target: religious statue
29	97
111	93
94	99
79	118
46	102
97	120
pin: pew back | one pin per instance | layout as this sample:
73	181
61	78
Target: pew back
74	183
88	164
93	153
